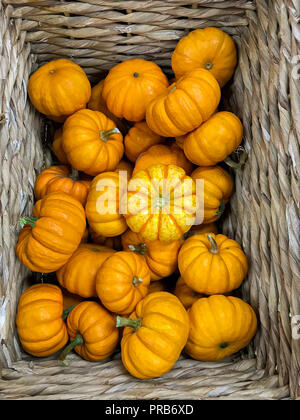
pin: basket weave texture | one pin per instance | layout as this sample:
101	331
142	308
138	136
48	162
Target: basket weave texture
264	211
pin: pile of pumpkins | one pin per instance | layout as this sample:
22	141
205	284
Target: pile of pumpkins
111	266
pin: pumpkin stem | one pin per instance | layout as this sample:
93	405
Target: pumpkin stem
105	134
140	248
78	341
208	65
172	90
134	323
223	345
236	165
66	312
136	281
28	221
135	74
221	209
74	174
214	247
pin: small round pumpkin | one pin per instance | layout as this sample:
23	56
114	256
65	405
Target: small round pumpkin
219	327
165	154
161	203
212	264
58	147
61	178
92	142
218	188
93	332
78	275
139	139
113	242
154	336
130	86
122	281
48	240
160	257
214	140
40	323
59	88
102	207
185	105
185	294
209	48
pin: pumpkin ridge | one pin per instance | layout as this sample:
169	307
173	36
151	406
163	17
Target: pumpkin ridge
152	350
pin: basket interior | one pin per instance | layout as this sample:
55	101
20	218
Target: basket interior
262	215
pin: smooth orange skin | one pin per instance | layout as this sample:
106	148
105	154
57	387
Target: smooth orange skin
210	273
58	148
160	257
98	329
164	154
59	179
157	286
127	96
124	166
216	320
185	105
78	275
108	225
49	244
163	222
185	294
154	348
61	93
218	188
214	140
202	46
40	325
70	299
83	146
114	282
139	139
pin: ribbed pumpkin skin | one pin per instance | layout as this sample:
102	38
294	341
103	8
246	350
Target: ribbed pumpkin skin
154	348
164	154
58	147
83	142
219	327
98	329
59	88
78	275
160	257
108	225
185	105
156	215
40	325
130	86
212	273
214	140
116	283
60	179
185	294
218	188
139	139
49	244
208	48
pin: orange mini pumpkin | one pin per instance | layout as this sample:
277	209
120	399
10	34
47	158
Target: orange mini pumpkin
130	86
64	179
93	332
78	275
212	264
59	88
209	48
92	142
185	294
214	140
40	323
113	242
70	299
219	327
125	166
157	286
49	238
122	281
58	147
160	257
185	105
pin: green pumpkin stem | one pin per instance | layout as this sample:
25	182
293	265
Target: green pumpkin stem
105	134
237	165
221	209
74	174
214	246
28	221
66	312
78	341
134	323
140	248
172	90
136	281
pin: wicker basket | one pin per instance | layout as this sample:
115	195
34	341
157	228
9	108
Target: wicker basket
264	213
